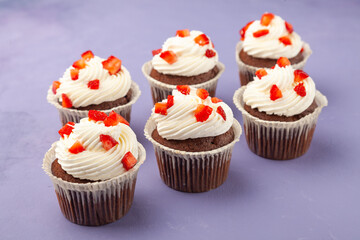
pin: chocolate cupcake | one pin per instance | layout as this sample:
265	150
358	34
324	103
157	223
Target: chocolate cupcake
280	109
264	41
94	168
193	136
189	58
93	83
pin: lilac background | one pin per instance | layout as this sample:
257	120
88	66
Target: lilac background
313	197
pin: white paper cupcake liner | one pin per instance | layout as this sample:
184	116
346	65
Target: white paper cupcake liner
247	72
98	203
160	90
279	140
193	171
74	115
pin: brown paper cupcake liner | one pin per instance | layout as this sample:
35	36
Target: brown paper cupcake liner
160	90
74	115
247	72
279	140
193	171
98	203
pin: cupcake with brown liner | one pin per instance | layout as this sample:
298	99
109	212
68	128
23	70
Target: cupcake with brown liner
193	136
264	41
280	109
94	168
189	58
93	83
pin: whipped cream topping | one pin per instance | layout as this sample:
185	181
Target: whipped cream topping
180	122
95	163
269	46
112	87
257	92
191	59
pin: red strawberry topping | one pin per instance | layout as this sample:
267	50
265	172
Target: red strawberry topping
170	101
112	64
94	84
300	75
74	73
244	29
184	89
169	56
79	64
66	102
156	52
266	19
283	62
76	148
96	115
202	112
260	73
210	53
202	93
300	89
183	33
87	55
221	111
108	141
216	100
55	86
261	33
66	129
289	27
114	119
161	108
128	161
202	40
285	40
275	93
302	49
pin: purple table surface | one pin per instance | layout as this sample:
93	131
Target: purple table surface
313	197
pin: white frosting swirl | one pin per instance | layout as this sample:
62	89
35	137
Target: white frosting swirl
269	46
95	163
257	93
180	122
191	59
112	87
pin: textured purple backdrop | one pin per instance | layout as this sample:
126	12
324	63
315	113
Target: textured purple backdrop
313	197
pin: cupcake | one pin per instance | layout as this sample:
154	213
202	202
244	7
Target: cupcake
280	108
94	168
189	58
263	42
93	83
193	136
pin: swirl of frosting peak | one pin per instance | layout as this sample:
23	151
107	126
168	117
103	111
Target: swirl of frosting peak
269	45
191	60
95	163
180	122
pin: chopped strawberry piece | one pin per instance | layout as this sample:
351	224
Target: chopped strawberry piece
108	141
302	49
66	129
169	56
79	64
74	73
300	89
87	55
202	112
66	102
128	161
285	40
156	52
94	84
283	62
184	89
289	27
114	119
170	101
210	53
260	73
76	148
300	75
244	29
202	40
55	86
161	108
221	111
275	93
266	19
96	115
183	33
216	100
202	93
261	33
273	67
112	64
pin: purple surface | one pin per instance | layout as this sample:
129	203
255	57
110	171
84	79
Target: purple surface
313	197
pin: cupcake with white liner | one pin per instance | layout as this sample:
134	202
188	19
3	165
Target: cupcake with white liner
93	83
264	41
280	108
94	168
193	135
189	58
